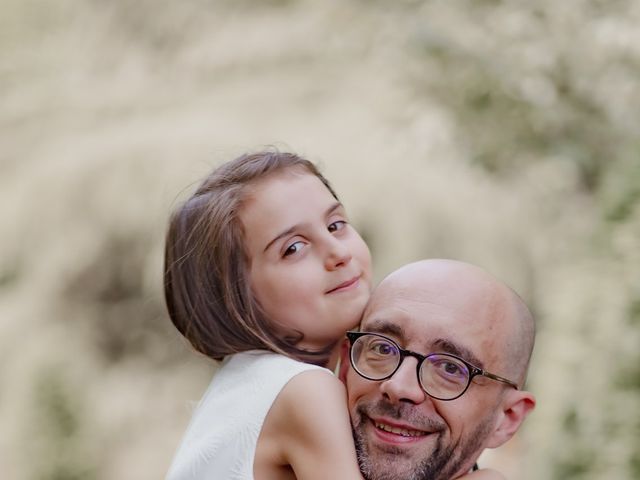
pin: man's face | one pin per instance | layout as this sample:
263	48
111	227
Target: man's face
401	432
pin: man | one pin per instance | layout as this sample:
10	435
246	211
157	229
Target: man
440	378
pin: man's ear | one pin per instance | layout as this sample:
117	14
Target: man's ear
515	407
344	361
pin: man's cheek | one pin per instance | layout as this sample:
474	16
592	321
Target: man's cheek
357	387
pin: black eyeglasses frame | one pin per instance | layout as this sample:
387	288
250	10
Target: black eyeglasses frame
473	370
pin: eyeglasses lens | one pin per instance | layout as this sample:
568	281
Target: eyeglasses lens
443	376
374	357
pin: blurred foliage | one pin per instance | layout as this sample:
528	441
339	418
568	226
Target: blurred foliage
524	99
56	447
110	291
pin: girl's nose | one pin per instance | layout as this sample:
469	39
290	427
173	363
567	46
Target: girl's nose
338	254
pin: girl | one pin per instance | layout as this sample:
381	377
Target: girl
264	273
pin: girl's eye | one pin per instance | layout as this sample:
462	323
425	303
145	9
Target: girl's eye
293	248
335	226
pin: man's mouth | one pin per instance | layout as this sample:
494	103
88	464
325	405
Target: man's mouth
389	427
404	432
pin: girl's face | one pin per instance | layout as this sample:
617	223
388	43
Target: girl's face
310	270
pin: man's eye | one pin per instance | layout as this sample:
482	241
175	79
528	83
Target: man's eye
335	226
382	348
293	248
451	369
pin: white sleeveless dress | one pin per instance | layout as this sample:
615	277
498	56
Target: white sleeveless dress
220	442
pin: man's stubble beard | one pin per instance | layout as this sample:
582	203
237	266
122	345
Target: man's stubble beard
441	463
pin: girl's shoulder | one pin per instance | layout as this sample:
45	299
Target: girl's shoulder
253	361
308	428
313	390
257	371
309	404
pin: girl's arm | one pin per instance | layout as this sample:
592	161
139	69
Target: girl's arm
308	428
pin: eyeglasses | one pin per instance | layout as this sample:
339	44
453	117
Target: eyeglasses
442	376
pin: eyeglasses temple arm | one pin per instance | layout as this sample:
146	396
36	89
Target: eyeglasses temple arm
500	379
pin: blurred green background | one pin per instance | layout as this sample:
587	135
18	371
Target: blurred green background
504	133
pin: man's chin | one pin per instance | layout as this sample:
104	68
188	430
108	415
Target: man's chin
428	457
384	464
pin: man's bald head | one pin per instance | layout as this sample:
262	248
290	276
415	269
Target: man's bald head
493	306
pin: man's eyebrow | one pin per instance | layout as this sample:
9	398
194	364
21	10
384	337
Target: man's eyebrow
442	345
298	226
385	327
447	346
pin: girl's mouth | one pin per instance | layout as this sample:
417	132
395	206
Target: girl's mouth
351	283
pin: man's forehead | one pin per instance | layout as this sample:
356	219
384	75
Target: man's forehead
465	299
420	306
446	300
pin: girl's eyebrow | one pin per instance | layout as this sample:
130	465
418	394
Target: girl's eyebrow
287	232
333	208
298	226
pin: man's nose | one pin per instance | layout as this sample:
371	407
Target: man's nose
337	253
404	384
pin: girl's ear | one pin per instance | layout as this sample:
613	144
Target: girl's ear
343	368
516	405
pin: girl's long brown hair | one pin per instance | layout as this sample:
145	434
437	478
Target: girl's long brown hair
206	266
